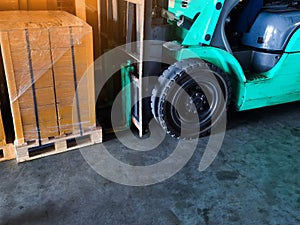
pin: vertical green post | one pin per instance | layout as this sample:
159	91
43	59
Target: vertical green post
126	71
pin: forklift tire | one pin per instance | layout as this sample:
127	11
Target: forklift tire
190	97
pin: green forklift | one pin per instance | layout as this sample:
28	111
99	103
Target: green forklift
220	52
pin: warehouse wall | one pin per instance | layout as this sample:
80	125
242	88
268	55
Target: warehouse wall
113	23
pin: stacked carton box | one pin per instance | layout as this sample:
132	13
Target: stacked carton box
47	58
66	5
84	9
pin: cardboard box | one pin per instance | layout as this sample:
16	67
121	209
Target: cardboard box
86	10
47	57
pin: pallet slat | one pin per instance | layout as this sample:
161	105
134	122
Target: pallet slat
33	151
7	152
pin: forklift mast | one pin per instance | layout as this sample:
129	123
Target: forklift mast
144	22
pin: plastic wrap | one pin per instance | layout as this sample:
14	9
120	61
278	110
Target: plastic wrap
9	4
66	5
84	9
47	59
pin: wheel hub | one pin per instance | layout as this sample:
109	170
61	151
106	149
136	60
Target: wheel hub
196	103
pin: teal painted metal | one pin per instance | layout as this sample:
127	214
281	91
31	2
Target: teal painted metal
126	71
280	85
205	15
250	90
294	44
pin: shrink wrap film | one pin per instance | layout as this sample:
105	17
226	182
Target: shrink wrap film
84	9
48	58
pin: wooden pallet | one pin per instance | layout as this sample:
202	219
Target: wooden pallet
7	152
51	146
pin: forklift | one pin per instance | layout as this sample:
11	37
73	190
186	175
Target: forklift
220	52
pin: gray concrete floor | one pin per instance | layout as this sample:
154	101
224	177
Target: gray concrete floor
254	180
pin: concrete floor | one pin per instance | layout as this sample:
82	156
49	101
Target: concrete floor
254	180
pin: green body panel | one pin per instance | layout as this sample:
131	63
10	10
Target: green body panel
294	43
199	33
126	71
281	84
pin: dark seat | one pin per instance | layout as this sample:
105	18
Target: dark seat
272	29
248	15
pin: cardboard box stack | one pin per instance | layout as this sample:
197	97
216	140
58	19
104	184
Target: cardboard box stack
84	9
65	5
47	59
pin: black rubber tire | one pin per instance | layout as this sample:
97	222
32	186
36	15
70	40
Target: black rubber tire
208	92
